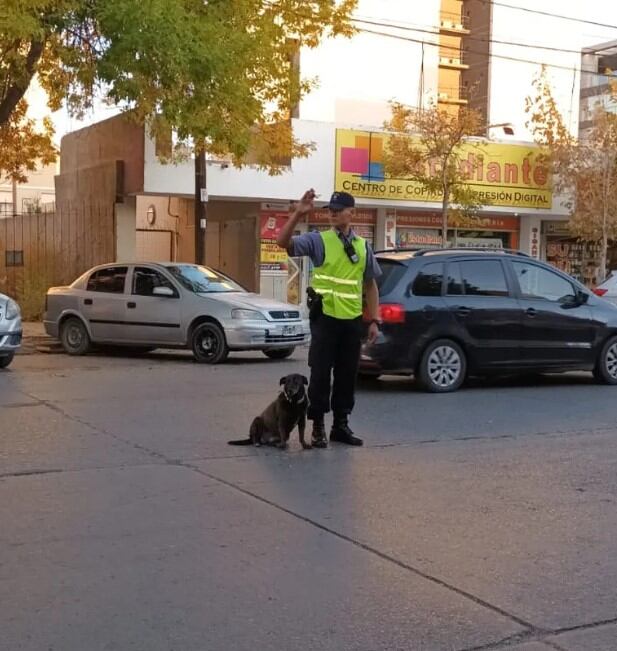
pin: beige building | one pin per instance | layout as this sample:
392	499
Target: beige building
24	198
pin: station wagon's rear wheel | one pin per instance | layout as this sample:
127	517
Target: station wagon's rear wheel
208	344
443	367
606	366
74	337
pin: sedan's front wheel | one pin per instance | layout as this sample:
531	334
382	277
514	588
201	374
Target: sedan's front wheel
443	367
605	371
279	353
6	360
208	344
74	337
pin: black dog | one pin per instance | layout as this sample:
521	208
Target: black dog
278	419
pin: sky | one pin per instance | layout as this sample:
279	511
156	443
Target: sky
511	84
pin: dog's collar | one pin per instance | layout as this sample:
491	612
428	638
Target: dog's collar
290	401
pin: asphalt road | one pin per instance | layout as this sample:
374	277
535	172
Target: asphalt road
481	520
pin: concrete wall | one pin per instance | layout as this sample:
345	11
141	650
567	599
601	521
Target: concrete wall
117	138
125	230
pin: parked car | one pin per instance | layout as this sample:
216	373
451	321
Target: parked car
10	330
150	305
449	314
608	289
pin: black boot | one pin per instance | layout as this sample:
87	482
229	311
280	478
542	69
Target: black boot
342	433
319	433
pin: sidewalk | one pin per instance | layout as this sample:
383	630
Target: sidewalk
35	340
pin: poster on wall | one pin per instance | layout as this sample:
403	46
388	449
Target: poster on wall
272	257
363	222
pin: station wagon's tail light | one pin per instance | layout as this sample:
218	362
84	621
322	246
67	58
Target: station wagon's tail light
598	291
392	313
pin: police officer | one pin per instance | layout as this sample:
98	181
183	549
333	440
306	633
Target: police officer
344	269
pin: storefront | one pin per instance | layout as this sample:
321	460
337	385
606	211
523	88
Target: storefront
579	259
363	223
424	229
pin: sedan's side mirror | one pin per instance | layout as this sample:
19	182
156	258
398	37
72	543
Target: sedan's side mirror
166	292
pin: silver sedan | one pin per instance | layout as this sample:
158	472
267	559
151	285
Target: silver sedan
10	330
143	306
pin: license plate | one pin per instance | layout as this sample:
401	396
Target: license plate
290	331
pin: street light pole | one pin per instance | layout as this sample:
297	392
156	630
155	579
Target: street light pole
201	199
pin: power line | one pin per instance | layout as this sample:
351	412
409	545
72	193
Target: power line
549	14
423	30
490	55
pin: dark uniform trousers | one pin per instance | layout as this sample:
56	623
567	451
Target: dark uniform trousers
334	354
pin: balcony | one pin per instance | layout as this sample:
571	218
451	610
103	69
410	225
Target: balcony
454	24
452	59
457	96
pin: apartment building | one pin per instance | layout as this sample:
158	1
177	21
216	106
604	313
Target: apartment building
598	66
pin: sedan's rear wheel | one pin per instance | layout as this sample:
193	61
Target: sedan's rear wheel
208	344
443	367
606	365
74	337
6	360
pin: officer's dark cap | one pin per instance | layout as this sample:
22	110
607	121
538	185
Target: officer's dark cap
341	200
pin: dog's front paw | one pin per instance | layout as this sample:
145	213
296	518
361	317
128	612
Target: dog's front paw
307	446
282	446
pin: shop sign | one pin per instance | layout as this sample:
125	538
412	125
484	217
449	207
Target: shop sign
272	257
560	228
410	237
499	174
434	220
360	217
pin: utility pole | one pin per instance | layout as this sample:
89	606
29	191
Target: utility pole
201	202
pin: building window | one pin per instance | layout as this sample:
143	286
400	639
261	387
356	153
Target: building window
14	259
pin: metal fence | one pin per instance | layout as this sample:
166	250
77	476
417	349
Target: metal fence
44	248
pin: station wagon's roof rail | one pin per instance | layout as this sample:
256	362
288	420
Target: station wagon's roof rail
464	249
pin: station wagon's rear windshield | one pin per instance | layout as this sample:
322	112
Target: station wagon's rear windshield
202	280
392	272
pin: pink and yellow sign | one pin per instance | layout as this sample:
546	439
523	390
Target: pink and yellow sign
500	174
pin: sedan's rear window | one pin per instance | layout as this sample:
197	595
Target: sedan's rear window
392	272
109	280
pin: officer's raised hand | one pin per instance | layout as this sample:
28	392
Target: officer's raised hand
302	208
307	203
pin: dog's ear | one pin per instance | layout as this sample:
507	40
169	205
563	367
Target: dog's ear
282	380
304	379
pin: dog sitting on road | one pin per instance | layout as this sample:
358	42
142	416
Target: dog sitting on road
275	424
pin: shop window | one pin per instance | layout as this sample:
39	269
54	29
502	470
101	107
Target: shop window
484	278
429	280
536	282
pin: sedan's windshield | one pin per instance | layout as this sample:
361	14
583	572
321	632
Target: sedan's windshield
203	280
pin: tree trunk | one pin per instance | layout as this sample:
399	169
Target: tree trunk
15	93
603	257
445	205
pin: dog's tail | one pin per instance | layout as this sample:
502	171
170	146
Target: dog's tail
248	441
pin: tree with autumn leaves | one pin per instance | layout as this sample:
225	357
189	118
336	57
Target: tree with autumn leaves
220	74
425	146
584	170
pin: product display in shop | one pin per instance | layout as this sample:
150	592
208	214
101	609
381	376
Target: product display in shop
581	260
